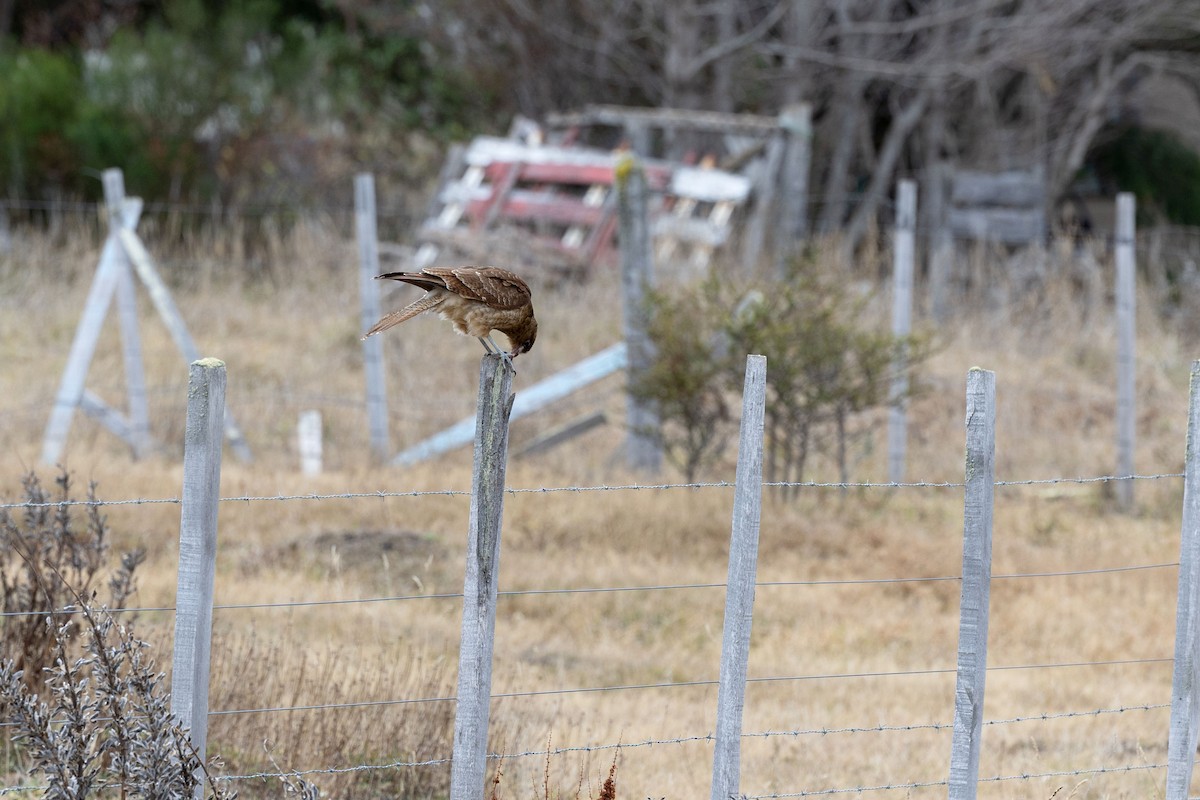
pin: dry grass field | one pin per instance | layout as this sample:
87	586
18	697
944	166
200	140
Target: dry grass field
869	656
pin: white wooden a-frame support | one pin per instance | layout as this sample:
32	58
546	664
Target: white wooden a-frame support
113	276
535	398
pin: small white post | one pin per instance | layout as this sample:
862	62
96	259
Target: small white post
976	584
1185	681
739	589
469	762
1126	291
902	299
308	435
198	549
368	293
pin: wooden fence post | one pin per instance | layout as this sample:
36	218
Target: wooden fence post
368	292
796	122
739	589
1126	291
976	583
469	762
941	242
637	277
160	296
766	212
902	300
1185	681
131	341
198	548
105	283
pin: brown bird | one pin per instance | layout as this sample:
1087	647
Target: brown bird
477	300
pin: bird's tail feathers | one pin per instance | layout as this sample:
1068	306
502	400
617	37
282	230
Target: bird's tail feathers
420	279
408	312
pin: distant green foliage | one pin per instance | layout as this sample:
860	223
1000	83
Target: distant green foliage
39	92
215	98
1156	166
826	363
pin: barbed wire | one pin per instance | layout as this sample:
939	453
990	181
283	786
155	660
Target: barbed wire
708	737
596	590
929	784
384	494
774	796
687	684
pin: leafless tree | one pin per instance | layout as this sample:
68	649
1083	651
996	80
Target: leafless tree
896	85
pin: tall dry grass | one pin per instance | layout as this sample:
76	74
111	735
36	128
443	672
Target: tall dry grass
289	336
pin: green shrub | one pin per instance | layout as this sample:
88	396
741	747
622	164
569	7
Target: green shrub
39	91
825	365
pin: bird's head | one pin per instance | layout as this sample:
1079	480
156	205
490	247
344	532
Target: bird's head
523	340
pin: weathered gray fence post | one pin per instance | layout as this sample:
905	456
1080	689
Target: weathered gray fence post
739	589
1185	682
83	347
198	548
469	763
164	303
1126	291
637	277
368	292
976	583
941	242
902	300
767	211
796	122
125	213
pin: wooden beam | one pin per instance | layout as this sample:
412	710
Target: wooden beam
536	397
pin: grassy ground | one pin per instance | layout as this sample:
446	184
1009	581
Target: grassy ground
290	340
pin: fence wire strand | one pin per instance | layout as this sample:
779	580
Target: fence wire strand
601	590
708	737
693	684
384	494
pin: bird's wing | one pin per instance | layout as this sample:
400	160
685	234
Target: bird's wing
426	279
494	286
408	312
